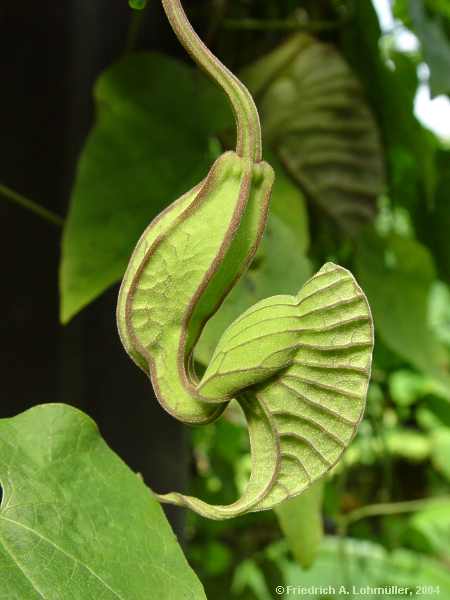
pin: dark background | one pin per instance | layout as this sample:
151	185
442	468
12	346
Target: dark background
50	55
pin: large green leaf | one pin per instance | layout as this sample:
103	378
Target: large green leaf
149	146
315	118
75	522
397	274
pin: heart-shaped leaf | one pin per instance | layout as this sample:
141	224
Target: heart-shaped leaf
76	522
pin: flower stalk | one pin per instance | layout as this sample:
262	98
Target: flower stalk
246	114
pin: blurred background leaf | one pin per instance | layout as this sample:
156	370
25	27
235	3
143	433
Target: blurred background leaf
367	565
396	274
316	120
429	530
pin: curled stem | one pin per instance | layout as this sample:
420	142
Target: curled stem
279	25
389	508
246	114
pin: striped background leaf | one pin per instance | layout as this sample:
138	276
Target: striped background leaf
316	119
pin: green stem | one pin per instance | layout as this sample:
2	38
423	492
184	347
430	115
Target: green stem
42	212
279	25
245	111
389	508
134	28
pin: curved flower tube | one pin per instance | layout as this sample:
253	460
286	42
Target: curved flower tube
299	365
